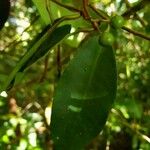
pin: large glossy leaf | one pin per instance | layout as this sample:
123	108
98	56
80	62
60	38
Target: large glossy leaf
84	96
50	38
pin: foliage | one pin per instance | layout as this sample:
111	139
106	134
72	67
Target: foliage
59	55
86	99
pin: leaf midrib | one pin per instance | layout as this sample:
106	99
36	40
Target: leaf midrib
85	96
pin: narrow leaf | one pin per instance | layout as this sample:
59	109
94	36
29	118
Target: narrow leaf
84	96
51	38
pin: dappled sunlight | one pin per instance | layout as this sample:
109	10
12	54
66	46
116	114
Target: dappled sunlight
3	94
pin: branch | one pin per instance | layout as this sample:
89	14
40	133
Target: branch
67	6
136	8
83	30
136	33
100	13
135	14
125	123
47	3
85	12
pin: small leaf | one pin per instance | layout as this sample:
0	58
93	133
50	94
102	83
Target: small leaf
84	96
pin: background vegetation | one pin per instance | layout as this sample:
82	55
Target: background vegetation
25	109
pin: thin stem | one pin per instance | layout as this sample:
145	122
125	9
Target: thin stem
124	122
59	60
86	15
67	6
136	33
142	21
99	13
85	12
99	20
47	3
66	18
82	30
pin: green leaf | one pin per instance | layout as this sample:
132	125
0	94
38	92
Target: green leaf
53	39
19	77
42	8
84	96
47	41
